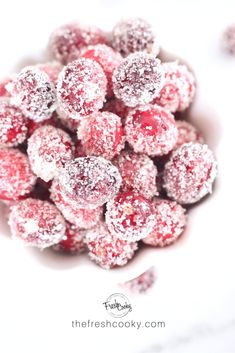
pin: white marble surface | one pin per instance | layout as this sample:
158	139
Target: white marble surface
195	291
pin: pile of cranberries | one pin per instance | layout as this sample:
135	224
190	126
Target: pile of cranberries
91	154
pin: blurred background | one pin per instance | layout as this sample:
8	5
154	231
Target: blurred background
195	291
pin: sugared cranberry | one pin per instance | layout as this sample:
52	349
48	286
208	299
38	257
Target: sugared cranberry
66	42
170	223
108	59
138	79
151	129
190	172
16	178
138	173
90	181
130	216
13	125
187	133
84	218
134	34
81	88
106	249
178	88
72	242
101	134
34	92
36	223
49	148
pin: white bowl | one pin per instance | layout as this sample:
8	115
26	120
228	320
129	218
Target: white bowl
203	117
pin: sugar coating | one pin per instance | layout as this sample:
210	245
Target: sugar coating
36	223
143	283
151	129
83	218
130	216
117	107
90	181
138	173
49	148
106	249
178	88
34	93
190	173
66	42
170	223
228	39
52	69
13	125
132	35
101	134
16	177
81	88
108	59
187	133
73	241
138	79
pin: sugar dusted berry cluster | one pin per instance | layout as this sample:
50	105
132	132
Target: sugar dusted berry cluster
92	157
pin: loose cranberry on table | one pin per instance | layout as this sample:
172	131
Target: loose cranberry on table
132	35
141	284
49	148
130	216
67	41
16	177
228	39
138	173
13	125
178	88
151	129
89	181
84	218
189	173
170	223
81	88
138	79
101	134
106	249
36	223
